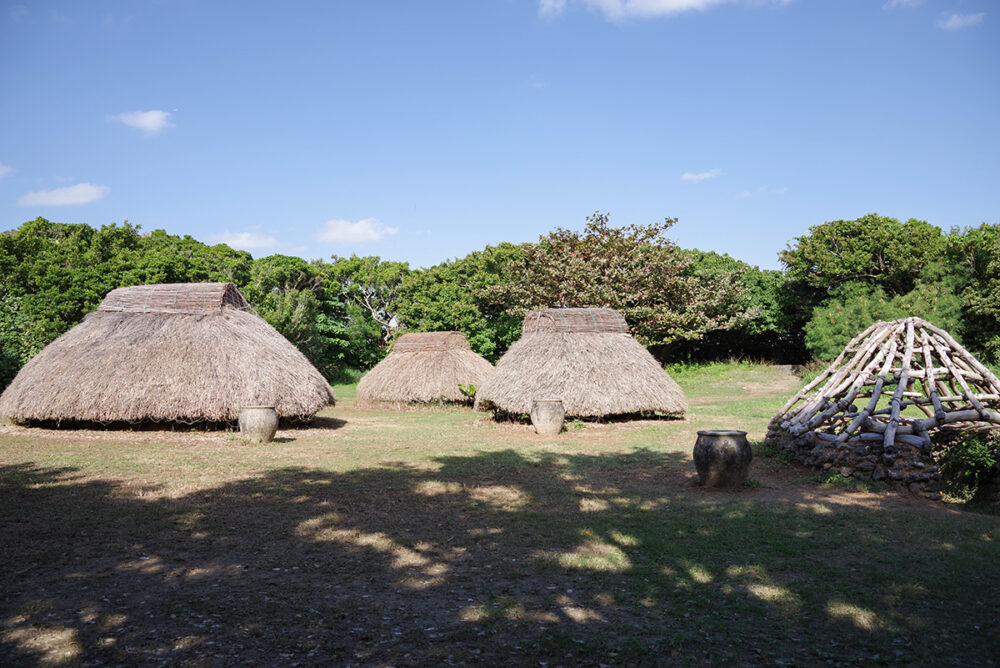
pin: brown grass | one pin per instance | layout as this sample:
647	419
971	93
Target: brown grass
442	538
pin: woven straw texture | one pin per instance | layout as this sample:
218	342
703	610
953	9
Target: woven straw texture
431	341
190	298
422	368
574	320
136	367
594	374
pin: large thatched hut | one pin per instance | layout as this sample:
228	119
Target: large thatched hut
585	358
424	367
189	352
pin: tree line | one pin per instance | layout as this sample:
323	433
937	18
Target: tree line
685	305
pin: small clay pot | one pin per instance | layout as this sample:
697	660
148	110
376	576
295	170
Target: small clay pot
722	457
258	423
547	416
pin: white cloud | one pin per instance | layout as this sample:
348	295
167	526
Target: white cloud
18	14
762	191
700	176
5	171
953	22
892	4
243	240
81	193
617	10
151	122
346	232
548	8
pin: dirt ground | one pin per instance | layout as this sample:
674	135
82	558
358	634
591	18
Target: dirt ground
189	548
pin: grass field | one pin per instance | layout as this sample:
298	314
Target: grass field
437	537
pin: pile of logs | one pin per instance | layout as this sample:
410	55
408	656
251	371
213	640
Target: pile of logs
877	404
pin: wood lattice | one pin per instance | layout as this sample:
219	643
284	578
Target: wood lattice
888	368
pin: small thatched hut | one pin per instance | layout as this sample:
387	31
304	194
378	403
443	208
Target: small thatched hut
424	367
187	352
585	358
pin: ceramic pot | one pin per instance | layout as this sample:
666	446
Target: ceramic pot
722	457
547	417
258	423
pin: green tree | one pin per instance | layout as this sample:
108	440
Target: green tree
635	269
371	289
295	298
873	250
769	331
857	306
456	296
973	254
58	272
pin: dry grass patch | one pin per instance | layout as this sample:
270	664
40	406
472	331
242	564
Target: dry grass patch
434	538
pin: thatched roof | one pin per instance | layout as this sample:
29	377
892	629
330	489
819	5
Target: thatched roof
586	359
424	367
175	353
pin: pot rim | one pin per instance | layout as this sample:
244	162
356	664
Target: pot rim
721	432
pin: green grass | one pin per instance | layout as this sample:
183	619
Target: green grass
436	536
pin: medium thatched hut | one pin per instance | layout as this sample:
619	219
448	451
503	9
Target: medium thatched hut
188	352
585	358
424	367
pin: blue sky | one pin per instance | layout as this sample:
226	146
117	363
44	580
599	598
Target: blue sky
421	131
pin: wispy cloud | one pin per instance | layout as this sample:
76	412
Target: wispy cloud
244	240
550	8
18	14
953	22
700	176
893	4
617	10
150	122
346	232
761	191
81	193
5	171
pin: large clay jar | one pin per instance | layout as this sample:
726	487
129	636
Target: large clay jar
722	457
547	417
258	423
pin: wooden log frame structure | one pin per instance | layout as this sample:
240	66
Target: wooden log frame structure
852	414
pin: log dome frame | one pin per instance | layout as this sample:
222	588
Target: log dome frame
893	360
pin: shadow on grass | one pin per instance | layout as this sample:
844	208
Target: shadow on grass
497	558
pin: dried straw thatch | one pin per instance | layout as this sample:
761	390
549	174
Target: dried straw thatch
586	359
175	353
424	367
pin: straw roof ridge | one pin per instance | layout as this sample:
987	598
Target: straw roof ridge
121	365
190	298
594	373
574	320
427	341
424	367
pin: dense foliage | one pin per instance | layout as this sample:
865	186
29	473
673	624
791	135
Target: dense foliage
684	304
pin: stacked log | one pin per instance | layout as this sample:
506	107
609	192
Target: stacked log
861	414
